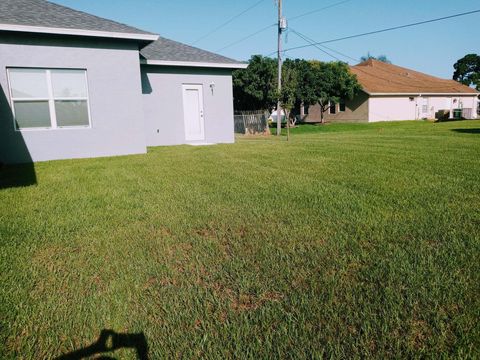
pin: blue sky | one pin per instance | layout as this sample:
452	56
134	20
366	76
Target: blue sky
431	48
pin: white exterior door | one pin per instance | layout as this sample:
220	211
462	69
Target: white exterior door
423	108
193	112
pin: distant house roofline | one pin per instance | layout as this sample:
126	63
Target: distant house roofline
379	78
78	32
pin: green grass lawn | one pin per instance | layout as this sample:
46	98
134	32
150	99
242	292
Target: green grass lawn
348	241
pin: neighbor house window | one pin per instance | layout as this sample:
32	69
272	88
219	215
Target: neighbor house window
49	98
424	105
333	108
342	106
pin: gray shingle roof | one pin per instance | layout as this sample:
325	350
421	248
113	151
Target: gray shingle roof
42	13
169	50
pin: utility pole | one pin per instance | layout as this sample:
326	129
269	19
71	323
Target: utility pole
279	58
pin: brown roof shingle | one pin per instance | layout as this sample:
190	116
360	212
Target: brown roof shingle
378	77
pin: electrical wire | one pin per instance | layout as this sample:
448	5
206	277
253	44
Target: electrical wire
380	31
247	37
339	53
227	22
275	24
309	40
318	10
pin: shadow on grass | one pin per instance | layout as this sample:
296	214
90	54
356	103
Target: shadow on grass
467	131
17	175
108	342
13	150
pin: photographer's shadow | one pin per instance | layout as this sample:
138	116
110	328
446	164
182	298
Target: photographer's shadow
108	342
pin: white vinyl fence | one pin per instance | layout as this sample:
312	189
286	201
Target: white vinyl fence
468	113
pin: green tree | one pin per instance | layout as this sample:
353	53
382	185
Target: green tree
333	82
304	83
467	70
254	88
299	86
382	58
307	84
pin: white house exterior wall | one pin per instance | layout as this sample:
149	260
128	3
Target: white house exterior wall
437	103
393	108
470	102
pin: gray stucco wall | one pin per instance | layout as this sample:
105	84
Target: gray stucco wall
163	104
114	85
356	110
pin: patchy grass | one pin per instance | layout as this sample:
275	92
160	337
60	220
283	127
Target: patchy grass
348	241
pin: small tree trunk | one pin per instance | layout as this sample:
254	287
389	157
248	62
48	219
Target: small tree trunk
279	119
287	115
323	109
302	110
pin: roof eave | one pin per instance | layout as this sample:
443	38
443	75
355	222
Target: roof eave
78	32
194	64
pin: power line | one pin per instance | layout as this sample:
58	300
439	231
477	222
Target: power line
270	26
247	37
318	10
381	31
309	40
228	22
311	43
341	54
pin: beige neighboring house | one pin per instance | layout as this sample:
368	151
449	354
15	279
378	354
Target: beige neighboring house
393	93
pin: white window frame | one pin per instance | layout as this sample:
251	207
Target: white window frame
425	106
51	100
